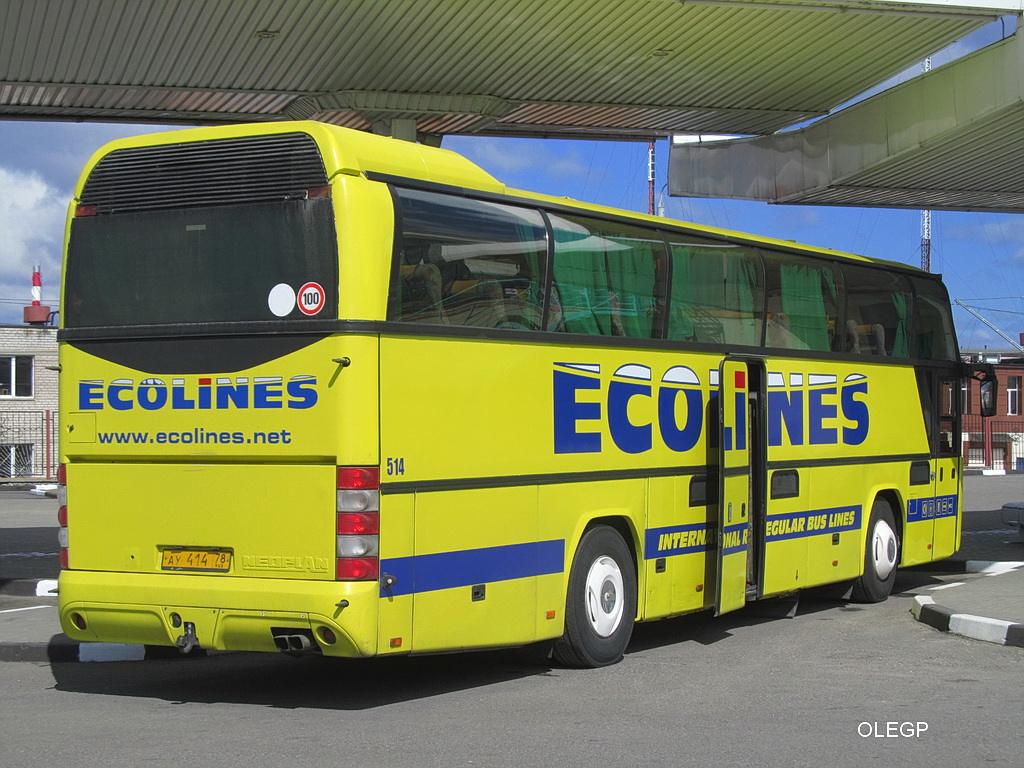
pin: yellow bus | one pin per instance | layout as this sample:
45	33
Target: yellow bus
324	391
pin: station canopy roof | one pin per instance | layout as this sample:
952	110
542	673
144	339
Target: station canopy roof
628	69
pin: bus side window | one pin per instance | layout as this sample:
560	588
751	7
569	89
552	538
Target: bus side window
609	277
878	305
803	303
933	322
716	292
468	262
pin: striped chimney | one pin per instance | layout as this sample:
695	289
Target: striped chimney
37	314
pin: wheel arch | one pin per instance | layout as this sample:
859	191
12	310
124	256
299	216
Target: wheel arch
625	528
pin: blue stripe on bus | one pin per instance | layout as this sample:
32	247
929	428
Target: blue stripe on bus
931	508
672	540
676	540
735	538
813	523
463	568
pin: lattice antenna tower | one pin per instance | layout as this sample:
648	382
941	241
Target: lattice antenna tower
650	178
926	216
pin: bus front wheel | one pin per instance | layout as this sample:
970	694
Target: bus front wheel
600	606
881	555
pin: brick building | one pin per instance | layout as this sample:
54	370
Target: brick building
28	402
996	442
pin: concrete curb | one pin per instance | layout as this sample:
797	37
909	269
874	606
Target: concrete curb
927	611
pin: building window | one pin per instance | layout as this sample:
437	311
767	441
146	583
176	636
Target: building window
15	376
1013	395
16	460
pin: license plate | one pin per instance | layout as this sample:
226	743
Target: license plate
185	559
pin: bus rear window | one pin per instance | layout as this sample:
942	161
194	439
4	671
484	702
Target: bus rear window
227	263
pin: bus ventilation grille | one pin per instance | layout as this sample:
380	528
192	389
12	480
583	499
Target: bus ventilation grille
216	172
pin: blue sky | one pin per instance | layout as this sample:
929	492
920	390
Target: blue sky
981	255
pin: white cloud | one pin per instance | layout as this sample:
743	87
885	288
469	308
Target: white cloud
31	233
505	157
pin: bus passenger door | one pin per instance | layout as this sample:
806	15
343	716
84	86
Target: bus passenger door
933	525
741	417
946	531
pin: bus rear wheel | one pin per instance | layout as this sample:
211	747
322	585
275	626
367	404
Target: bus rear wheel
881	554
600	606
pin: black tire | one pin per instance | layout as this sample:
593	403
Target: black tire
881	556
600	606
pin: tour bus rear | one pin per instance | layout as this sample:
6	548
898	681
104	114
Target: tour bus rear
219	437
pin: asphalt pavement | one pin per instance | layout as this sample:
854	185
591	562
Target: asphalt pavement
981	594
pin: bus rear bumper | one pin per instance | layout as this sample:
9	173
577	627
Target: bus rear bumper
218	613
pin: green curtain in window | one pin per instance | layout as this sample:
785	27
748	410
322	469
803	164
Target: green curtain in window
714	296
803	303
581	281
632	278
740	291
900	342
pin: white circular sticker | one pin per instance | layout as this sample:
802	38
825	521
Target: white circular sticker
311	298
281	299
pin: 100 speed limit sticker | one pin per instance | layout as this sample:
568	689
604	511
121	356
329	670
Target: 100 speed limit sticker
310	299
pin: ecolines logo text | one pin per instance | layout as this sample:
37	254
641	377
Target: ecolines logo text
198	394
808	409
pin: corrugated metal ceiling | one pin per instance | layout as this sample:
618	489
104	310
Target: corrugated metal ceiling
946	140
597	68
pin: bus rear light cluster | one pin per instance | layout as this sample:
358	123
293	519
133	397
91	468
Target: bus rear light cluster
358	524
62	513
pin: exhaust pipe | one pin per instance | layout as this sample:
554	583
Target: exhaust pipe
293	642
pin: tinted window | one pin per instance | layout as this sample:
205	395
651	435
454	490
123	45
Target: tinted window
934	337
468	262
716	292
193	265
878	304
608	278
803	308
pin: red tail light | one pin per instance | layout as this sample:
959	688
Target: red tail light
357	568
358	524
62	514
358	478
